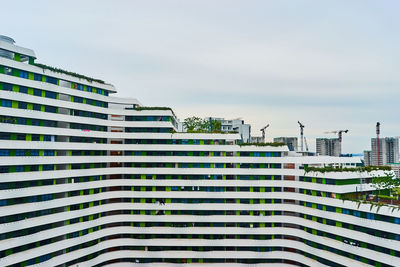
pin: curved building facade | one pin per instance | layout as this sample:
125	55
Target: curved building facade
88	179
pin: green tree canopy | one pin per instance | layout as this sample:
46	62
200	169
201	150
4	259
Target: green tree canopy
196	124
385	182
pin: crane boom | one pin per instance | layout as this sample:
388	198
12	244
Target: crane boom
378	131
263	132
305	141
301	134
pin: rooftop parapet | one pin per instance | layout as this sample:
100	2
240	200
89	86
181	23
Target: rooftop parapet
9	50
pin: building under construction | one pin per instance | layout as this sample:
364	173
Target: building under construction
388	151
328	147
291	142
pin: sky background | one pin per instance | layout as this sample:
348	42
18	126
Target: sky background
330	64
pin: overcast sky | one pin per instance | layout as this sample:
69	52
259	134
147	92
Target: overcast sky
330	64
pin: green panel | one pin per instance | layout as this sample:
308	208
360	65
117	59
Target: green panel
31	60
14	104
15	88
17	57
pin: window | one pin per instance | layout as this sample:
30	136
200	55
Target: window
51	80
4	152
37	77
19	168
50	109
23	89
6	103
48	153
50	95
37	92
36	107
23	74
20	152
7	87
78	99
22	105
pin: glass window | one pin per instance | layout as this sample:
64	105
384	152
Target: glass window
23	89
4	152
37	92
50	94
78	99
20	152
7	87
36	107
37	77
19	168
50	109
22	105
6	103
8	71
23	74
51	80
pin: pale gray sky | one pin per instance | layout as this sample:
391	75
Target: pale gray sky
330	64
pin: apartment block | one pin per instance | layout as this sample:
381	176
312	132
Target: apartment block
92	179
328	147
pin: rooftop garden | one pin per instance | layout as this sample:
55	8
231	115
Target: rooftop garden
198	125
338	169
140	108
387	192
58	70
275	144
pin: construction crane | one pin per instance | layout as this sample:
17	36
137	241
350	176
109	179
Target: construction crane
378	131
339	132
263	132
305	142
301	134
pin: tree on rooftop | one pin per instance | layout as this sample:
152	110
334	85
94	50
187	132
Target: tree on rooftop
385	182
196	124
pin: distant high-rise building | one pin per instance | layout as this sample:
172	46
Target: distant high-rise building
367	157
329	147
388	151
291	142
235	125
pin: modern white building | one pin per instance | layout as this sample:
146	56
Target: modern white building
89	179
234	125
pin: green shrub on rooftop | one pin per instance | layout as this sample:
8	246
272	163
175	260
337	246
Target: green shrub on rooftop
58	70
339	169
275	144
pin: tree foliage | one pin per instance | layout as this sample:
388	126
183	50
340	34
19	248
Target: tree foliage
346	169
385	182
196	124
